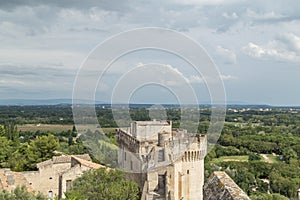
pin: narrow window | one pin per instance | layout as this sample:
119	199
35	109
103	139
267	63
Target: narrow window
179	186
68	185
161	186
50	194
161	155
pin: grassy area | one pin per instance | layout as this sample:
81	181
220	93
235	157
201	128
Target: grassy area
109	130
45	127
271	158
55	128
230	158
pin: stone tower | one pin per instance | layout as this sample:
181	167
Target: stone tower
167	163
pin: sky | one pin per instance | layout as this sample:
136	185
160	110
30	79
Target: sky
255	46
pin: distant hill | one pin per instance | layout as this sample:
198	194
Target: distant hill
38	102
42	101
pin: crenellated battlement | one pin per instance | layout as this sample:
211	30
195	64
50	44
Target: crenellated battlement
192	156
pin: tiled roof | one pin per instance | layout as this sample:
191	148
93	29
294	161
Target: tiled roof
87	163
221	187
62	159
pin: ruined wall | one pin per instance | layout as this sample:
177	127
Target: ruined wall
221	187
9	180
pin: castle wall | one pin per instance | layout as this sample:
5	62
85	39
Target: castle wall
188	179
149	130
173	161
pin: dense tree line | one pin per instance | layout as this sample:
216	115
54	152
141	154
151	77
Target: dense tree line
248	137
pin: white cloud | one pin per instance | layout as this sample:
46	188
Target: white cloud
175	77
204	2
286	48
254	50
230	15
196	79
11	82
228	56
291	40
263	15
228	77
200	79
48	40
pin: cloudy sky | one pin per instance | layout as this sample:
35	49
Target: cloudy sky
254	44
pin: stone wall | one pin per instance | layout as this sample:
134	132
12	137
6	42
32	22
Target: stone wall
53	176
221	187
9	180
147	130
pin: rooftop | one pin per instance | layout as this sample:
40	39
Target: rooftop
221	186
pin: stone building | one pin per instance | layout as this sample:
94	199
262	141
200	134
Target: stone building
9	180
53	178
167	163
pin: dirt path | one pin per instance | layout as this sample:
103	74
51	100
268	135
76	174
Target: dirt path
266	158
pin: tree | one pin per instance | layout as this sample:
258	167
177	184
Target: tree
264	196
28	155
254	157
5	149
42	149
288	154
20	193
18	160
74	131
2	130
11	132
105	185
